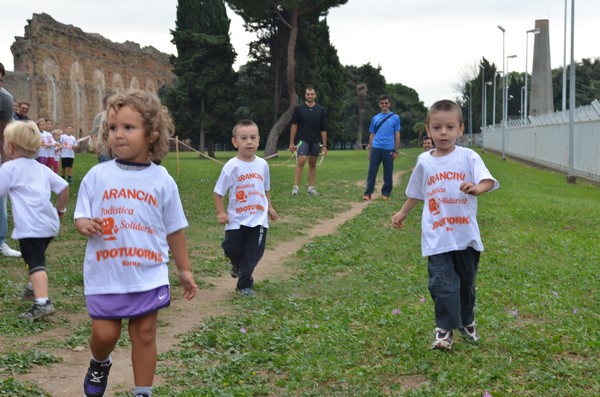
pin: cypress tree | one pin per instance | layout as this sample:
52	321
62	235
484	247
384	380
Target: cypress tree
201	99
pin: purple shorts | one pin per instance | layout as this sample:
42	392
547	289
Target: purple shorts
134	304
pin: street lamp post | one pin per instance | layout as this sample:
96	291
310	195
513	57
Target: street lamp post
503	95
470	110
494	104
482	89
571	178
485	102
534	31
505	109
564	74
506	77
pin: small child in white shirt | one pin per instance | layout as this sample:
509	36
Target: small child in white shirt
247	179
29	185
67	155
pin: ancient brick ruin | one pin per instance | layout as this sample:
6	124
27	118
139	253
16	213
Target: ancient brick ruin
65	73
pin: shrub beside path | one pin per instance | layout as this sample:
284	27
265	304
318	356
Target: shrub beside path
65	379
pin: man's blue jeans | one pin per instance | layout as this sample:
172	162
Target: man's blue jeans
377	157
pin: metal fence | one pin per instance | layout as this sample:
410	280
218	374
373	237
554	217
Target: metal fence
544	140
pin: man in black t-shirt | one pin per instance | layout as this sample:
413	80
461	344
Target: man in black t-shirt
308	121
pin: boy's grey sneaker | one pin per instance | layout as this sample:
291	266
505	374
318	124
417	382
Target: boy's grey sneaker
96	379
246	292
38	311
312	191
469	333
443	339
234	271
295	191
27	294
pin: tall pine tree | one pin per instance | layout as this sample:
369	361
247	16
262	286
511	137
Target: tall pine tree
201	99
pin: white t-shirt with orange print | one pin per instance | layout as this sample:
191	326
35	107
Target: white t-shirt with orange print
67	143
30	186
449	219
247	183
138	210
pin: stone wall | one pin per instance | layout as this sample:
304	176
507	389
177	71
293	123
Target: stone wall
65	73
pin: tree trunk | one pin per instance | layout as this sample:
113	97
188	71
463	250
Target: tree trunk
201	145
202	137
211	148
276	130
361	90
284	119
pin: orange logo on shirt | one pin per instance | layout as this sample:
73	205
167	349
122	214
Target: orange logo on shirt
434	207
109	229
240	196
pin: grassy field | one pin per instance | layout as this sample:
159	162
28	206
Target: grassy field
355	319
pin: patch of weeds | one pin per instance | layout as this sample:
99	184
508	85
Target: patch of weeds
79	336
213	267
16	327
14	388
20	363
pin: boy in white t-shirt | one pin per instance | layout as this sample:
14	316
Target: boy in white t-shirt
67	155
246	219
448	178
29	185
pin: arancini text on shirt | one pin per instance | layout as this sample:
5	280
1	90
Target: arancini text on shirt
250	175
446	176
135	194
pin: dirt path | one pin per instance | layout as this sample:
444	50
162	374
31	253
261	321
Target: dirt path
65	378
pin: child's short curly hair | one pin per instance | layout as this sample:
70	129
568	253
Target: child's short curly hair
157	121
25	135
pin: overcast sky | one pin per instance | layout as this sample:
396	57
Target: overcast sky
428	45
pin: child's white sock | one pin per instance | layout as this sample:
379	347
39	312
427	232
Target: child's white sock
141	390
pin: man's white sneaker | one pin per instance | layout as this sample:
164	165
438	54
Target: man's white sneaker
295	191
312	191
7	251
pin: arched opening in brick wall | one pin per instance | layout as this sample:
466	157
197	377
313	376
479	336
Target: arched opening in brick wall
118	83
99	90
150	87
78	96
51	78
135	84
